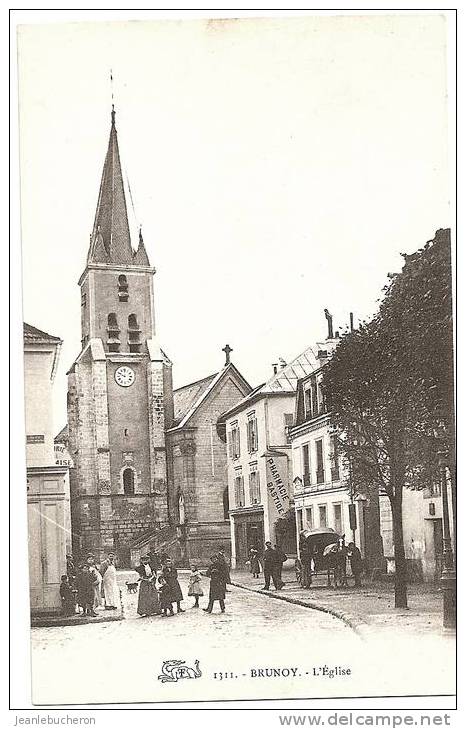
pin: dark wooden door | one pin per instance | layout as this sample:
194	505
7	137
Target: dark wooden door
255	537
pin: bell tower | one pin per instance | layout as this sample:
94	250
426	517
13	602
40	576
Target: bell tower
120	398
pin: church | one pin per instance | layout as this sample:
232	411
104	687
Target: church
136	482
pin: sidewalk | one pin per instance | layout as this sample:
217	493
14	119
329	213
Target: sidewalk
103	616
369	609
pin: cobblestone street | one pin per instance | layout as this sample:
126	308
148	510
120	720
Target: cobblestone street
120	661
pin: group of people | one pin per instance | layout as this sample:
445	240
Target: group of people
160	590
90	586
312	561
271	562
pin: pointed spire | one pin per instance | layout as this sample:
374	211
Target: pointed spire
111	240
140	256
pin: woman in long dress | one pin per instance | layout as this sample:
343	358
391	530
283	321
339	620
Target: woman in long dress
148	601
97	578
109	583
255	563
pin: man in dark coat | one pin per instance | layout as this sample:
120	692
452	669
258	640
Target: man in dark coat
355	559
271	561
222	560
281	559
170	575
216	572
85	584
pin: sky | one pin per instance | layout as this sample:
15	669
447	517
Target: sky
277	167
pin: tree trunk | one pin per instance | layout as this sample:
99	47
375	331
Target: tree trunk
401	591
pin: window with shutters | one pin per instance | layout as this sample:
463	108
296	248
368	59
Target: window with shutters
239	489
306	465
309	518
337	519
320	461
308	400
252	433
334	458
226	504
254	485
315	407
234	441
322	515
320	397
299	515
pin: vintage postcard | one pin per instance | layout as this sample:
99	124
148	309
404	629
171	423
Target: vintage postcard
238	358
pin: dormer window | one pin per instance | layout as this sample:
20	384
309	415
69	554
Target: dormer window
123	294
113	333
134	334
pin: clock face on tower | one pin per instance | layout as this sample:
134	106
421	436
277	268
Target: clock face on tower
124	376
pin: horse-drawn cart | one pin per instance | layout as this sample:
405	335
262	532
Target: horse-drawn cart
321	550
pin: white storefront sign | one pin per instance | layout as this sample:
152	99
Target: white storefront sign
277	483
62	457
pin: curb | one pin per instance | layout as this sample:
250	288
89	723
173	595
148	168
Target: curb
357	627
53	622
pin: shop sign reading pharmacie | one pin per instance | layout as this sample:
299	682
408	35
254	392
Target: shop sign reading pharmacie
277	481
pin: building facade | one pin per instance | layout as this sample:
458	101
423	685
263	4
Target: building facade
47	483
422	531
259	467
120	398
323	493
198	463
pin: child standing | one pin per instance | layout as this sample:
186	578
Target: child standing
194	588
165	598
68	603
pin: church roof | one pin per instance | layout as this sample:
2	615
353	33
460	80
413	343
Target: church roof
184	398
189	398
111	238
32	334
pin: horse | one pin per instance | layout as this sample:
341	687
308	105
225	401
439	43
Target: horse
334	561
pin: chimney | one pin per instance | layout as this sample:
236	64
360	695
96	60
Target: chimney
322	356
275	368
351	322
329	318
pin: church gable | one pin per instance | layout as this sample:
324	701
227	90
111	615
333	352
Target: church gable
227	391
191	401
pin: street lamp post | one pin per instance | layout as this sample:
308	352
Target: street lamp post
448	578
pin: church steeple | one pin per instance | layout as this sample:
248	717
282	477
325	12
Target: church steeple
140	256
110	238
